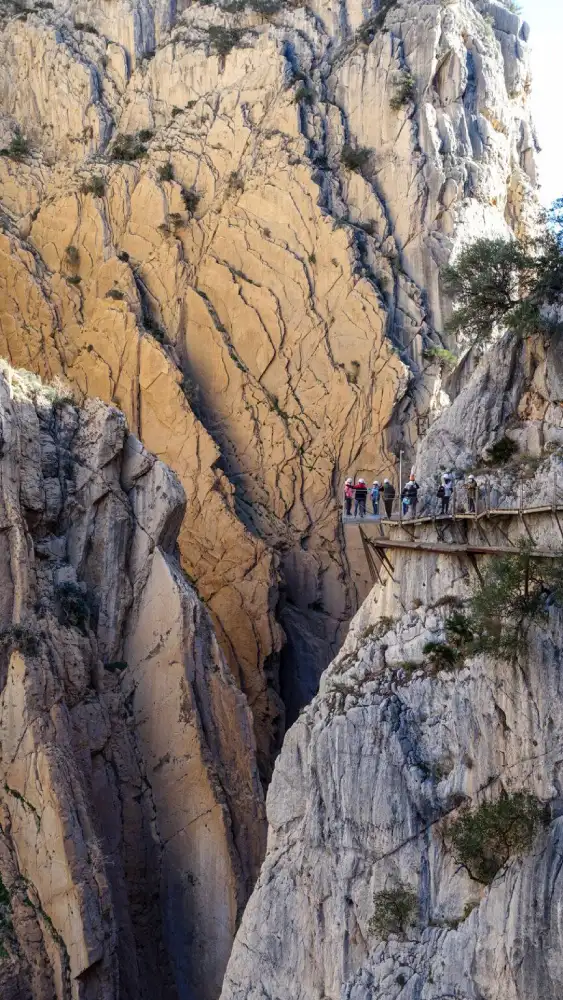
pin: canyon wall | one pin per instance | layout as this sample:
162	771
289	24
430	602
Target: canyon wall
397	746
131	810
229	221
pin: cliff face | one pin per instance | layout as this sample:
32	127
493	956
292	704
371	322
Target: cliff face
363	794
131	812
251	274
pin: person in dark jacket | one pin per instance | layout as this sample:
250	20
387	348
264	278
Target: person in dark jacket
361	492
388	497
410	496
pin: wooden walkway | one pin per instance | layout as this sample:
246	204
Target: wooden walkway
450	518
376	545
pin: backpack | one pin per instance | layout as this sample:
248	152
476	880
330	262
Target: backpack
441	492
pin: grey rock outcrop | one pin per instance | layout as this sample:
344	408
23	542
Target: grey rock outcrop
131	812
367	783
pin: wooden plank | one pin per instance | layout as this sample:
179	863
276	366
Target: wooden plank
401	543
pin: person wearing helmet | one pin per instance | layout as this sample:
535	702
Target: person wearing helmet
388	497
471	490
374	494
445	493
361	491
348	496
410	496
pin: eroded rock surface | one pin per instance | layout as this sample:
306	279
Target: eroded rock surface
258	309
368	780
395	747
131	813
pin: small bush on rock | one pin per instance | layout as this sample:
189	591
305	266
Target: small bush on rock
18	149
441	356
440	655
96	186
305	94
166	172
191	199
484	840
73	256
115	293
19	637
405	91
355	158
222	39
394	910
127	148
502	451
75	610
512	596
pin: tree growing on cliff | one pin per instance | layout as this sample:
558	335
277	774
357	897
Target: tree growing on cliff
484	840
506	284
514	593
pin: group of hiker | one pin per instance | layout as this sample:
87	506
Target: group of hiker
357	493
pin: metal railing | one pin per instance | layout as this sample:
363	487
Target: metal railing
463	502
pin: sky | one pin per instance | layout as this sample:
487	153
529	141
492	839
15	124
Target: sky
545	18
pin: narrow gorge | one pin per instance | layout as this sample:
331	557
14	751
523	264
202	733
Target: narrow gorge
224	234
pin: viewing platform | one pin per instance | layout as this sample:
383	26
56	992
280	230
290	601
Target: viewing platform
376	537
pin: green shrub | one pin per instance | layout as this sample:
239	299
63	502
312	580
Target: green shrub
305	94
440	655
378	629
355	158
191	199
506	284
73	256
96	186
502	451
483	841
116	666
369	29
74	279
85	26
405	91
115	293
235	182
222	39
511	597
446	359
19	637
74	606
4	894
458	630
18	149
394	910
166	172
127	148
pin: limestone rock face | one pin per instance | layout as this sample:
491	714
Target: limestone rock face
131	826
189	237
368	781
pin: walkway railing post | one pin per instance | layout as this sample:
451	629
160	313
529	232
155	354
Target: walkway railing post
554	490
400	486
454	488
488	496
521	496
